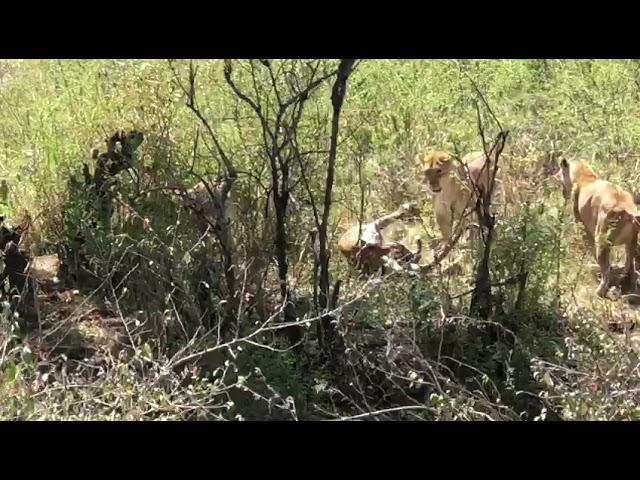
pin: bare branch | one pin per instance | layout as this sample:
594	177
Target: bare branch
382	412
191	103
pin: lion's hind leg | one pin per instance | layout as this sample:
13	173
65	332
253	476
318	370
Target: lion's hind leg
603	242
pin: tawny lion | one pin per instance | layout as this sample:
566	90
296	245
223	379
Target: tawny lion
608	213
454	187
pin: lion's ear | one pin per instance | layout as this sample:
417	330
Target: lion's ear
447	163
564	163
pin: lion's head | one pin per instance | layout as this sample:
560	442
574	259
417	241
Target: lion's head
434	166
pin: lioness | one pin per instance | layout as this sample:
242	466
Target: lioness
453	186
608	213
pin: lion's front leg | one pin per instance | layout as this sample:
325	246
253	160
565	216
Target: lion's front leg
443	219
603	248
587	236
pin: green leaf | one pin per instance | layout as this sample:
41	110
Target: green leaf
10	372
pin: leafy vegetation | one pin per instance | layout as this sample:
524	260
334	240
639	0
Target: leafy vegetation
171	313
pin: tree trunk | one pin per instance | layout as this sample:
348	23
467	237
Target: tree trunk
337	99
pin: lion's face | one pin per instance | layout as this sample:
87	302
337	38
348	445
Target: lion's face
435	166
563	176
